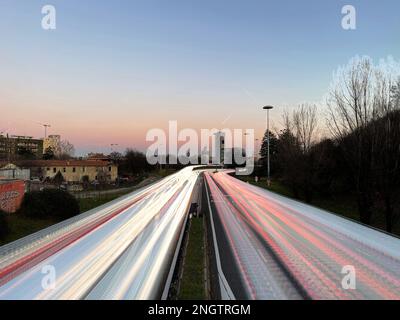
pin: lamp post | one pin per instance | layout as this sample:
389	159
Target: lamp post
45	128
268	162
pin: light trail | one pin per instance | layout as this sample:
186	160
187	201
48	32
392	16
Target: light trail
278	248
275	240
120	251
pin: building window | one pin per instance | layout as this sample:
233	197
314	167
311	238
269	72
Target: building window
83	169
48	169
109	169
54	170
73	169
64	170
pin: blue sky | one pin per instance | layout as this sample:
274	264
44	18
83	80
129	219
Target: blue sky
114	69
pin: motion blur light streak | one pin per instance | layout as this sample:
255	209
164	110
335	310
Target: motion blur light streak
272	247
126	252
311	246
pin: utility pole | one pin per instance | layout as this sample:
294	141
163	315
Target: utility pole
268	161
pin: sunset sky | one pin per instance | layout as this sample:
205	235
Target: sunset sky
112	70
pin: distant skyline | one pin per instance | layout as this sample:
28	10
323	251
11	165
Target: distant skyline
112	70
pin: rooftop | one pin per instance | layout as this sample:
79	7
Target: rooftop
57	163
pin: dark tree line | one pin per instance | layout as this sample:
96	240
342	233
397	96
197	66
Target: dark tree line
362	155
364	119
133	163
49	204
292	153
4	227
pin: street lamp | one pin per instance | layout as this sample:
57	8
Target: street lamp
45	128
268	164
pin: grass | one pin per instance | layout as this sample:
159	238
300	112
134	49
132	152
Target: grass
21	226
343	205
86	204
192	283
164	172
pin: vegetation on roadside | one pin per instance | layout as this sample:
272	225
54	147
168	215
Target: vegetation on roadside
49	204
39	209
86	204
192	283
356	157
344	205
20	225
4	226
30	219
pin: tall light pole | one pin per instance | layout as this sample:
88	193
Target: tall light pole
45	128
268	162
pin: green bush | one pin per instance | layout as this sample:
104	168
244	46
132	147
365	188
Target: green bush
49	203
4	228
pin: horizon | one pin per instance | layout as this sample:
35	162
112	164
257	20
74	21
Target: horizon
132	67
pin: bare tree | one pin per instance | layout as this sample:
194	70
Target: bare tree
396	94
386	150
350	101
361	119
305	125
293	150
66	150
351	110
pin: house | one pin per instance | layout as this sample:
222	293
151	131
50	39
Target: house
72	171
11	171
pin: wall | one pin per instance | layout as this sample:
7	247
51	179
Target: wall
11	195
17	173
92	172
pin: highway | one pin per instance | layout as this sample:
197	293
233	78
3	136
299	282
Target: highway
272	247
265	246
123	250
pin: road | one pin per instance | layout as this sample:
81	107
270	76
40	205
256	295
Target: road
123	250
265	246
272	247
